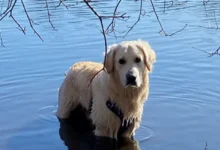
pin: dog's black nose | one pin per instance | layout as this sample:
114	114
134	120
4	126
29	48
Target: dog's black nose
131	79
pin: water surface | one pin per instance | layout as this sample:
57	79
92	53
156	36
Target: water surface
182	111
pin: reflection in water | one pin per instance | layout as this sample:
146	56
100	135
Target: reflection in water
76	132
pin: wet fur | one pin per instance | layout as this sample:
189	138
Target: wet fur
107	84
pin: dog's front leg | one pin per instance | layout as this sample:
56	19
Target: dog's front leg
103	131
129	133
107	132
105	139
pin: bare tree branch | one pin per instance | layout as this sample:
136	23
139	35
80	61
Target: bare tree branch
176	3
162	30
111	27
19	26
138	19
112	24
103	33
205	2
161	26
206	15
206	146
171	4
102	25
216	22
48	13
8	10
164	6
115	16
2	6
30	20
216	52
8	7
61	2
67	6
177	30
213	28
2	44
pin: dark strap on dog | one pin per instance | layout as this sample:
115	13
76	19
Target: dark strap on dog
115	109
125	124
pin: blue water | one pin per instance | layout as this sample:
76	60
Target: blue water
182	111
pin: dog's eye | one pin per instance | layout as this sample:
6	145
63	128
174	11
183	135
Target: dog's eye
122	61
137	60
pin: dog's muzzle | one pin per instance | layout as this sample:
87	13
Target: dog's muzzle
131	79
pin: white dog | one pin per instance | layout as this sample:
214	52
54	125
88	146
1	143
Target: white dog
117	94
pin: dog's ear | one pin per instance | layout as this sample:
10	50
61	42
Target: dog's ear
110	58
149	54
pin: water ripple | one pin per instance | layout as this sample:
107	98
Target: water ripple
47	114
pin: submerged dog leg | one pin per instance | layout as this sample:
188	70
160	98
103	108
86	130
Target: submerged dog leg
103	132
65	98
130	131
64	108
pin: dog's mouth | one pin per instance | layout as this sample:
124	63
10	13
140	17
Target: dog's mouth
131	84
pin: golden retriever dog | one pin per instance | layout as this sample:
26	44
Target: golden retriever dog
116	95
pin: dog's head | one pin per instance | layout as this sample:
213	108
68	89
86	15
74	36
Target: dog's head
130	60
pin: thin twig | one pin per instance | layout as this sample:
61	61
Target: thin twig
216	22
115	16
2	6
164	6
201	50
139	18
103	33
177	3
61	2
101	22
216	52
9	3
19	26
112	24
8	7
161	26
206	146
213	28
182	3
171	4
30	21
2	44
205	2
206	15
177	31
48	13
67	6
8	10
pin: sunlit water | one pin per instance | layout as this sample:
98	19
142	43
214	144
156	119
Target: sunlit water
182	111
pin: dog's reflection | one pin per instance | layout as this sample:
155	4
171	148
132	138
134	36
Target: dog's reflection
76	132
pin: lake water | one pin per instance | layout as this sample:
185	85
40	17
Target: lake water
183	108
